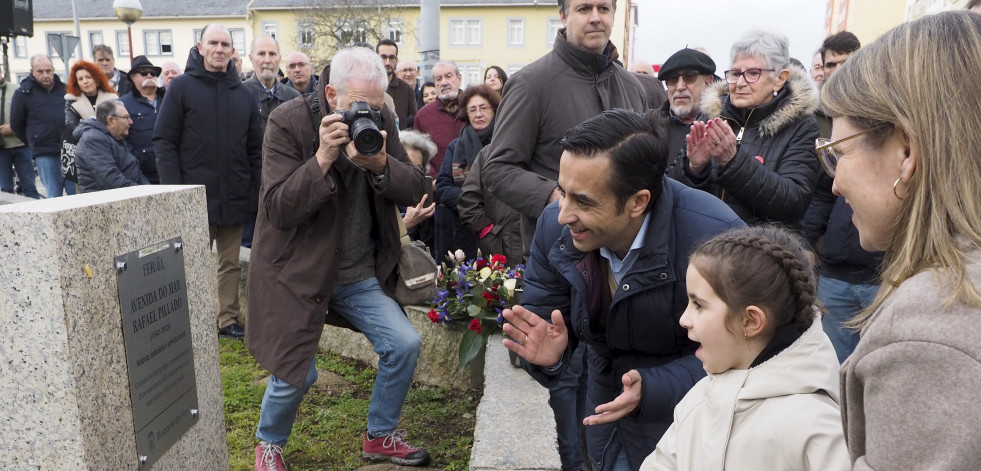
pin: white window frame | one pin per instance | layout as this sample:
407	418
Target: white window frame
20	48
471	73
552	27
94	42
512	68
122	43
162	38
356	32
238	43
465	32
395	31
197	35
516	32
306	35
270	28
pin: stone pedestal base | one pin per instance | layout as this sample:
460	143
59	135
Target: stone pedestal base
65	401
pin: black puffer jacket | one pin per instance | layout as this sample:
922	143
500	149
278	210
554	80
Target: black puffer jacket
208	132
773	174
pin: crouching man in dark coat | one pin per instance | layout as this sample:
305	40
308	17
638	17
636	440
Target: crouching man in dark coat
103	158
325	249
607	269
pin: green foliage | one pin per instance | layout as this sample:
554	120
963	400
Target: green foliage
330	425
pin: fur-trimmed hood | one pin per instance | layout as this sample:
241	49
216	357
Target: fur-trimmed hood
803	101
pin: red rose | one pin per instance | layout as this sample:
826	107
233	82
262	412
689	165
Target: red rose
481	263
433	317
489	296
475	325
500	259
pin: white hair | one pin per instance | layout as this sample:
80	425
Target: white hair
357	62
771	48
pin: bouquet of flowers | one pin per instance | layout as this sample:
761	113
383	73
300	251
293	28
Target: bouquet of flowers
476	291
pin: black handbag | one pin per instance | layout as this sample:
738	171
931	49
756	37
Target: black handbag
68	143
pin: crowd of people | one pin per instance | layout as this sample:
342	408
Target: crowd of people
761	267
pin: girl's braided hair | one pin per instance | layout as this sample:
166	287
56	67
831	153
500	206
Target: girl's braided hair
764	266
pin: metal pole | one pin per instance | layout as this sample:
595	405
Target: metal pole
129	32
429	41
78	31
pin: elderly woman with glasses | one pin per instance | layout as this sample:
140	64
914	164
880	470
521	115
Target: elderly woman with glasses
756	149
478	104
906	155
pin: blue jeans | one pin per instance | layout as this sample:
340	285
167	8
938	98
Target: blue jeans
49	169
567	397
18	159
843	300
380	318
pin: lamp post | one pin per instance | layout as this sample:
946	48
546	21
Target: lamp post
128	11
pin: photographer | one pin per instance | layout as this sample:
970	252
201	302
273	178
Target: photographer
327	242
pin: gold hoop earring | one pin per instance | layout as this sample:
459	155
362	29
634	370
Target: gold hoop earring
894	185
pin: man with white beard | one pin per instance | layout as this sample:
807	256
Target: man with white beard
268	92
686	73
141	104
264	83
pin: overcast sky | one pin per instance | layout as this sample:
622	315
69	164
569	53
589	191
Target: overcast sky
665	26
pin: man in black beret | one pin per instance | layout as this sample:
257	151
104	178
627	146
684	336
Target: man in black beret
687	73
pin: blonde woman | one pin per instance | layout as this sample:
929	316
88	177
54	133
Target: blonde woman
905	152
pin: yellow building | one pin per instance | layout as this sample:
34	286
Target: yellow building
867	19
918	8
473	33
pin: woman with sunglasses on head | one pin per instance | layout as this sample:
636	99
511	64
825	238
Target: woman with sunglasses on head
755	151
905	155
142	104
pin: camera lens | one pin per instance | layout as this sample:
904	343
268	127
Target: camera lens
366	136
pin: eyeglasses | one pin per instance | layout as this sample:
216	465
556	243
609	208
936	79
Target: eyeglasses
408	69
689	77
482	108
751	75
827	154
121	116
146	72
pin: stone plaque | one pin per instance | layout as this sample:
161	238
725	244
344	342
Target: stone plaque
157	333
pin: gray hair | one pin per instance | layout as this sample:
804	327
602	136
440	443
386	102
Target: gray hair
420	142
771	48
442	63
35	57
106	109
564	7
263	36
357	62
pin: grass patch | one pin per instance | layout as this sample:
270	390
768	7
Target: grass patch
330	425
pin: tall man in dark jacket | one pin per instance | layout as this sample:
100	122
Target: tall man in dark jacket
142	104
208	132
607	270
15	156
325	250
103	157
577	80
119	80
37	117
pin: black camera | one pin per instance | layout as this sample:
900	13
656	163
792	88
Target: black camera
363	122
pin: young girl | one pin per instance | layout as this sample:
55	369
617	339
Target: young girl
770	400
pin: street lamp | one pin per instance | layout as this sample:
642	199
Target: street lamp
128	11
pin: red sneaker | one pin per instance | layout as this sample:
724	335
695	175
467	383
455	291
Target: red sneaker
269	457
394	448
